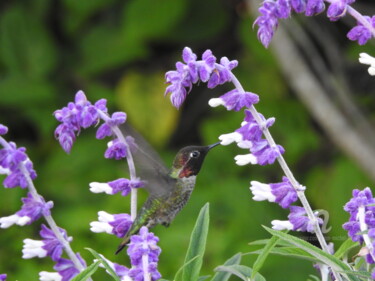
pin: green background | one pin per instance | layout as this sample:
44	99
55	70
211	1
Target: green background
120	50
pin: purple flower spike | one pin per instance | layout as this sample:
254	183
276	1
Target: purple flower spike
235	100
120	185
267	22
31	211
144	246
3	131
116	149
116	224
360	32
3	277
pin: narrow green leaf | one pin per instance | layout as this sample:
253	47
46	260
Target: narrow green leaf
314	278
224	276
197	246
90	270
291	251
205	277
263	255
336	264
241	271
179	271
346	246
265	241
360	273
105	264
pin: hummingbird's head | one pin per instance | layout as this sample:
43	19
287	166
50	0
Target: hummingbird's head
189	160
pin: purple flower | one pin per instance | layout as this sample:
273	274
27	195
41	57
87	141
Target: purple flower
282	193
314	7
65	270
360	32
11	160
77	115
117	224
3	277
266	154
235	100
337	9
142	250
49	246
267	22
120	185
31	210
3	131
298	221
186	74
361	200
116	149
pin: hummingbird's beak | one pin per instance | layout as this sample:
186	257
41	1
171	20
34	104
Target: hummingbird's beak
213	145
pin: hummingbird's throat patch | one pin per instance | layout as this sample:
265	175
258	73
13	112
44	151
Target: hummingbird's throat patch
186	172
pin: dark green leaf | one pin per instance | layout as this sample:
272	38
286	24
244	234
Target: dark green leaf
197	246
290	252
90	270
224	276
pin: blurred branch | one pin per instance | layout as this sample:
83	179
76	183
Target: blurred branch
350	131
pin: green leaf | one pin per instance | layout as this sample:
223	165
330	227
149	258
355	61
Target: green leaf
224	276
263	255
290	252
90	270
105	264
265	241
330	260
361	273
241	271
202	278
345	247
197	246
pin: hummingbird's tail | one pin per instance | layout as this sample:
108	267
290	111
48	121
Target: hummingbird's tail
122	245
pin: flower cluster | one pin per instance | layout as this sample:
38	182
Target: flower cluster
249	136
207	70
361	224
144	255
19	169
12	161
273	10
82	114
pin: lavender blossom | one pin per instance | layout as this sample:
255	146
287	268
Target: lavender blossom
49	246
298	221
120	185
11	159
117	224
273	10
362	33
116	149
235	100
144	255
65	271
31	211
207	70
3	277
282	193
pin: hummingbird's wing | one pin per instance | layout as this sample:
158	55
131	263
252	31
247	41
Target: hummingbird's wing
149	166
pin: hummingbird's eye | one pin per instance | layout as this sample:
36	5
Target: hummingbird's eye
194	154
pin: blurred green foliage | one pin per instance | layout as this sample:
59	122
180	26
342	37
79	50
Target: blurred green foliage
119	50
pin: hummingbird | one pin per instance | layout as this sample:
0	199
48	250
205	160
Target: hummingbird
169	189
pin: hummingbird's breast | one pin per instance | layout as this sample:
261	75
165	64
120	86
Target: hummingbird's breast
176	200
